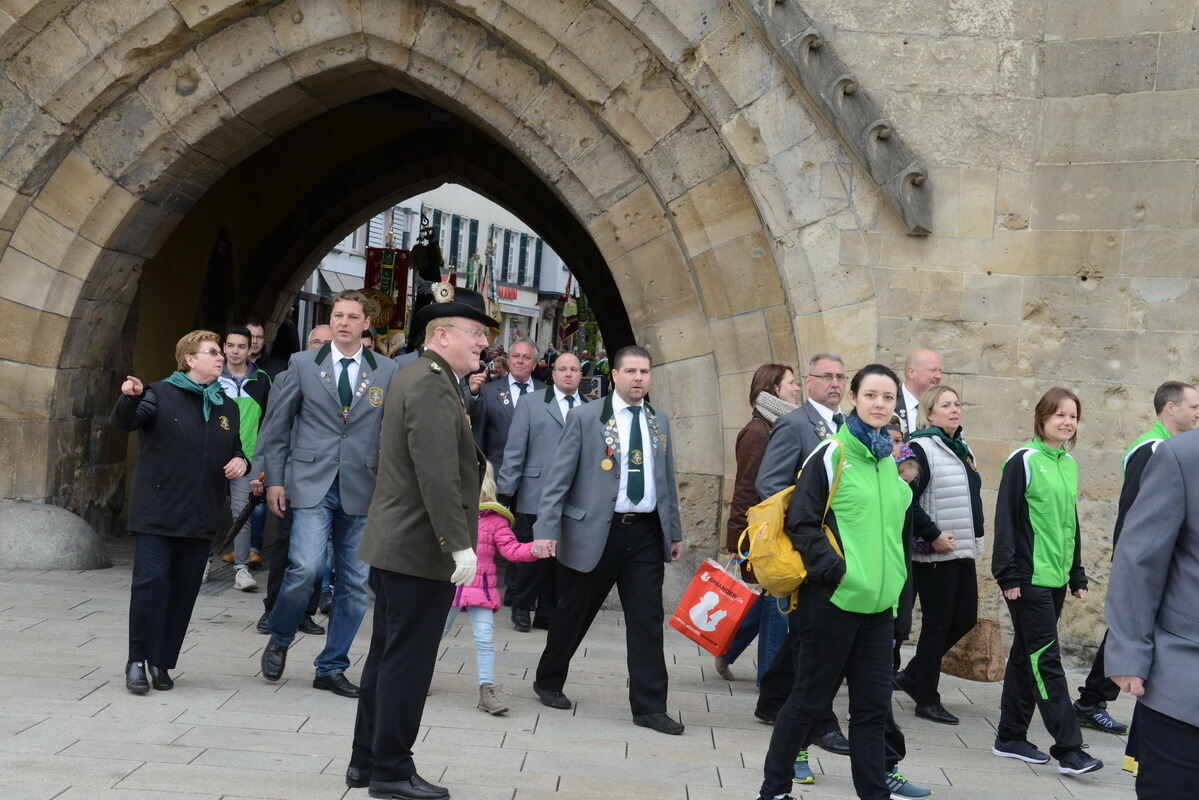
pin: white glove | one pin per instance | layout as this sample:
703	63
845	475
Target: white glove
464	567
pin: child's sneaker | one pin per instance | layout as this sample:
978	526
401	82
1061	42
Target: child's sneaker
903	789
803	773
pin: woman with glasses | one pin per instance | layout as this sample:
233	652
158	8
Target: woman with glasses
189	447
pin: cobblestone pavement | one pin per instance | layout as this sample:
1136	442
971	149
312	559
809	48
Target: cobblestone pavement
70	731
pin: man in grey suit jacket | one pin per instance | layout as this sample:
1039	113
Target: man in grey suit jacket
610	512
1152	613
333	405
491	414
532	440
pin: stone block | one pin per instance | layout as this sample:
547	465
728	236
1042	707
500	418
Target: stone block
300	24
782	337
849	331
921	294
1108	128
859	249
741	342
684	388
967	348
42	238
676	339
34	153
48	61
699	512
565	65
509	79
603	44
121	136
1105	196
606	171
1011	252
23	459
26	391
738	276
1064	20
1163	304
743	141
177	88
537	154
746	67
564	124
205	16
1160	253
698	447
516	26
976	203
113	207
1099	66
910	64
646	107
393	22
781	119
482	106
329	63
999	19
788	189
1074	302
630	222
19	111
1019	71
272	106
448	39
946	186
991	298
1076	355
909	16
32	283
811	267
661	282
42	536
238	51
28	336
717	211
686	158
1178	61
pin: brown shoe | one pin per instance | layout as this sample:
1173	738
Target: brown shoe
228	557
489	701
255	560
722	669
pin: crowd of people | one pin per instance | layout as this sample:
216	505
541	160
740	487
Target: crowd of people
405	478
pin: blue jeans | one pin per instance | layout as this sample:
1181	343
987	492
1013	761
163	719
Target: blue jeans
311	528
257	525
327	573
766	622
482	624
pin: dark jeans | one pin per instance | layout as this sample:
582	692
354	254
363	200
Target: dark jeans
768	625
534	586
779	680
1099	690
948	592
1166	756
903	619
167	572
833	644
279	564
410	613
632	561
1034	674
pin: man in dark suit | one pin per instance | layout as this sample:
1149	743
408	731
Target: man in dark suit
921	372
532	440
492	413
419	541
610	513
792	438
1152	611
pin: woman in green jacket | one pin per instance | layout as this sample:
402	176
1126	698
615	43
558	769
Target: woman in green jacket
1037	553
846	606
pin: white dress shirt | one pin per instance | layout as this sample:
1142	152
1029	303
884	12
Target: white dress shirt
826	414
563	406
911	404
355	368
624	427
514	389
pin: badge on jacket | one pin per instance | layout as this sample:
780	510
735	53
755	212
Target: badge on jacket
224	422
375	396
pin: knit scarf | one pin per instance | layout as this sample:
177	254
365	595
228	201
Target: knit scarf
878	443
772	407
955	443
212	394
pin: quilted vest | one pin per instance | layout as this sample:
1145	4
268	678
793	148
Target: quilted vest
946	500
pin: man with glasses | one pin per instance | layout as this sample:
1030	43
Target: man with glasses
320	444
532	440
492	413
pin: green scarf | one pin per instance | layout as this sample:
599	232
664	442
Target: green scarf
212	394
955	443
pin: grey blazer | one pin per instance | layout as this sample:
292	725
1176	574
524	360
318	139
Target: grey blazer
491	416
578	498
305	409
532	441
1152	604
792	438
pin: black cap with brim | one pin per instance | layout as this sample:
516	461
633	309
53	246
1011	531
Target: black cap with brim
464	303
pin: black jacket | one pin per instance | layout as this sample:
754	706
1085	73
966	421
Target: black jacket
179	484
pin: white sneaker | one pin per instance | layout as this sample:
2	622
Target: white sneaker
243	580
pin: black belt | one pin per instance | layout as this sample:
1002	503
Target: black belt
632	517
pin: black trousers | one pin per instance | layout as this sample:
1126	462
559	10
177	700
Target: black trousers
410	614
903	619
1034	674
835	644
167	572
779	681
1166	755
948	592
1099	690
632	561
279	563
534	585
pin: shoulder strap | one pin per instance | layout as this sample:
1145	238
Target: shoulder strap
832	489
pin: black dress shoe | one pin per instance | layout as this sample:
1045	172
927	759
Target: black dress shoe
135	677
261	627
308	625
541	622
551	698
160	680
905	684
661	723
764	717
274	658
415	788
358	777
325	603
937	713
520	619
834	742
336	683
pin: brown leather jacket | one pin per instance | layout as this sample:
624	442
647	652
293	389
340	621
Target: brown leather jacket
751	445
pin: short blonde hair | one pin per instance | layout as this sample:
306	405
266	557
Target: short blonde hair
928	401
487	489
190	345
437	322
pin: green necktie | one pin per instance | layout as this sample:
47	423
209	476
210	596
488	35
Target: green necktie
838	420
344	392
570	402
636	484
524	387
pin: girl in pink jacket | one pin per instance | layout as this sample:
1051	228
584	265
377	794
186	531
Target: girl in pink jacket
480	600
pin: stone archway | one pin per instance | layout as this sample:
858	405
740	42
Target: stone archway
717	201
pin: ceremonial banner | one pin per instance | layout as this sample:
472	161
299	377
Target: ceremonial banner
387	271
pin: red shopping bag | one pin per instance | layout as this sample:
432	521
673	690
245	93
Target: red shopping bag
712	608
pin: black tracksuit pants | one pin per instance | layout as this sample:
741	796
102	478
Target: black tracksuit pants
948	592
1099	690
533	586
279	564
167	572
409	617
632	561
1034	674
779	680
1167	768
835	644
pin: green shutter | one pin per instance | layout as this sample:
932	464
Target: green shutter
472	243
523	261
455	227
504	271
537	265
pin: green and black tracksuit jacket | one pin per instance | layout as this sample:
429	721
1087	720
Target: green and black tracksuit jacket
1135	459
250	392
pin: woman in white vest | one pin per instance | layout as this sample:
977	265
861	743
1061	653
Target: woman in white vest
949	491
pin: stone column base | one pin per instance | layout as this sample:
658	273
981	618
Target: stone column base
41	536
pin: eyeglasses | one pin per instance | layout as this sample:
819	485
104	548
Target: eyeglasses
829	377
474	333
212	351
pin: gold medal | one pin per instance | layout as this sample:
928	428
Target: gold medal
606	464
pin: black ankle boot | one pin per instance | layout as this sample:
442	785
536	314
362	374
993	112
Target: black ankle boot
160	680
135	677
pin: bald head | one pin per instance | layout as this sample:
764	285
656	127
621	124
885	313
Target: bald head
321	335
921	370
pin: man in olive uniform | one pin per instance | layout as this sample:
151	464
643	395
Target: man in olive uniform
420	536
